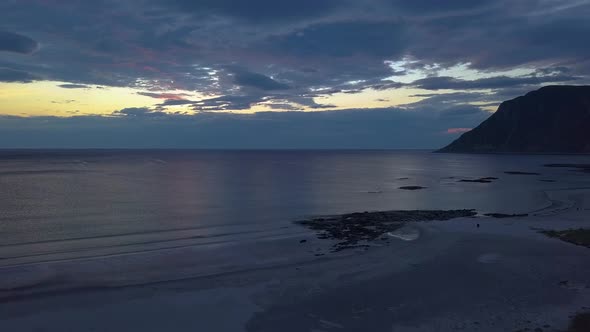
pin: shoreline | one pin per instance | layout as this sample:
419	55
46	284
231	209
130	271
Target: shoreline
505	265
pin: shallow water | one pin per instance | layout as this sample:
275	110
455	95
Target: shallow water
70	204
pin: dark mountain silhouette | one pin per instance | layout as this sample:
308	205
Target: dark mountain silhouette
553	119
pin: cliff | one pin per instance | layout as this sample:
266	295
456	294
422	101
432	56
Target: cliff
553	119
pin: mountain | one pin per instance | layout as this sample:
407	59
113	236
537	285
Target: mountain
553	119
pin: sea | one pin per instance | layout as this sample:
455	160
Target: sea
61	209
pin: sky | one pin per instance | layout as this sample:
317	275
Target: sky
275	74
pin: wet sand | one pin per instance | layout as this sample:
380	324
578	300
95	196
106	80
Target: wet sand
430	276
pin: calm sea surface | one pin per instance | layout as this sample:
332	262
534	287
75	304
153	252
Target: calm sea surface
99	202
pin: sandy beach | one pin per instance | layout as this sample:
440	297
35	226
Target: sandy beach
446	276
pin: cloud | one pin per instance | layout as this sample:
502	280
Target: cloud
543	32
176	102
259	10
446	82
139	112
258	81
455	107
441	101
236	102
74	86
67	101
344	39
11	75
13	42
189	45
163	95
433	6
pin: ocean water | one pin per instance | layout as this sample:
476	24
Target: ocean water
66	205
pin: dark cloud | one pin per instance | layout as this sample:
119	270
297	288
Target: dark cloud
454	108
247	101
507	34
176	102
435	6
163	95
283	107
342	39
445	82
73	86
450	98
259	10
11	75
67	101
139	112
258	81
386	85
159	45
13	42
237	102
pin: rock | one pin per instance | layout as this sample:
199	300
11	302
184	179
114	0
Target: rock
353	228
488	179
553	119
521	173
578	167
412	187
580	323
579	236
503	215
